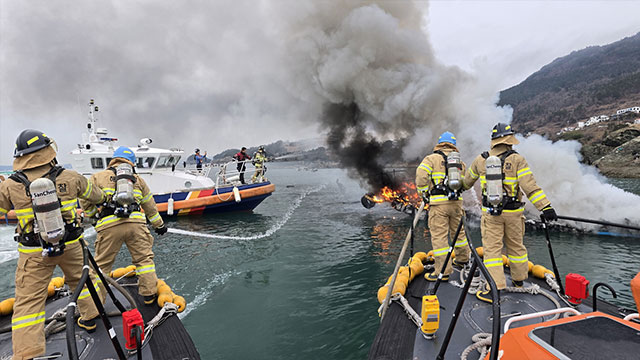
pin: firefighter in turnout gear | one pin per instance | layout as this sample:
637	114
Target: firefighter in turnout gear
259	158
119	220
439	180
45	198
504	177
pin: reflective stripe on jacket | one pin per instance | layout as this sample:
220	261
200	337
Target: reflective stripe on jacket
432	170
518	178
70	186
106	180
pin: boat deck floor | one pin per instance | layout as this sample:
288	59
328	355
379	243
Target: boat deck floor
398	338
169	341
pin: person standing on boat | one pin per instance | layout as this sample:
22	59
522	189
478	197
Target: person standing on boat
241	158
199	158
259	159
35	158
505	175
118	224
445	204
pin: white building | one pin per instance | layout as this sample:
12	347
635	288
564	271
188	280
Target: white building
635	109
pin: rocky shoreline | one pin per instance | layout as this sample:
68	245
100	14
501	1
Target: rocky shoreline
617	154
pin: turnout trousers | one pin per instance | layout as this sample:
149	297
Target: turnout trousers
33	275
443	222
139	241
507	230
258	174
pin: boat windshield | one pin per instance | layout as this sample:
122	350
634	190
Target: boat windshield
145	162
167	161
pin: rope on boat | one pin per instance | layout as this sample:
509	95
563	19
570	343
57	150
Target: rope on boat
169	309
481	342
411	313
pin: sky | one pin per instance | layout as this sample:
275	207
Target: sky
216	74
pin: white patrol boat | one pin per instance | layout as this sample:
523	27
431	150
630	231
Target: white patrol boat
177	189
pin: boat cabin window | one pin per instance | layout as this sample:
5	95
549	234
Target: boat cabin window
145	162
97	163
167	161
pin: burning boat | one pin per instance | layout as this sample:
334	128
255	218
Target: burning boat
403	197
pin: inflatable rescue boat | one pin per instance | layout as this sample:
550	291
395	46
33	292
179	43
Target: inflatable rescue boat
544	319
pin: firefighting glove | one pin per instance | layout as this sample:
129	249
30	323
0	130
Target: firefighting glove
161	230
549	213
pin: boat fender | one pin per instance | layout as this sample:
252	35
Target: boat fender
51	289
170	206
493	176
180	301
430	316
421	255
58	282
164	298
505	260
163	289
539	271
530	266
236	194
46	209
480	251
6	306
129	271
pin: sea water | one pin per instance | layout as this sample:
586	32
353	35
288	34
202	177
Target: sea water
298	277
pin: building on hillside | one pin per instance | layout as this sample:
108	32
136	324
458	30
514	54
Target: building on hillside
581	124
635	109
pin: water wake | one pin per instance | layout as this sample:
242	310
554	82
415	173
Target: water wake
202	297
8	249
277	226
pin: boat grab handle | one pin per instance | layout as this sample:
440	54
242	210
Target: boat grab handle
539	314
632	316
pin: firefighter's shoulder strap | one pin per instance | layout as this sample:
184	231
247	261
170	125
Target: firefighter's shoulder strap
444	156
502	156
20	177
130	177
441	154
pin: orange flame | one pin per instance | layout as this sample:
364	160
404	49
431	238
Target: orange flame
406	194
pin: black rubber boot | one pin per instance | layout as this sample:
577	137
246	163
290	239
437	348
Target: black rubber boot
150	299
88	325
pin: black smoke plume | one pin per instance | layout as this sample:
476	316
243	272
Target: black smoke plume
356	150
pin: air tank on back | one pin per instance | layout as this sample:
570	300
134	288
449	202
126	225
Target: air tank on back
493	167
124	184
46	209
454	167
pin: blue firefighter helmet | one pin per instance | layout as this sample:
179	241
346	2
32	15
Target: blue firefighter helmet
125	153
447	137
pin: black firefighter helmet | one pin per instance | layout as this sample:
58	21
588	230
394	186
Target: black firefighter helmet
500	130
30	141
